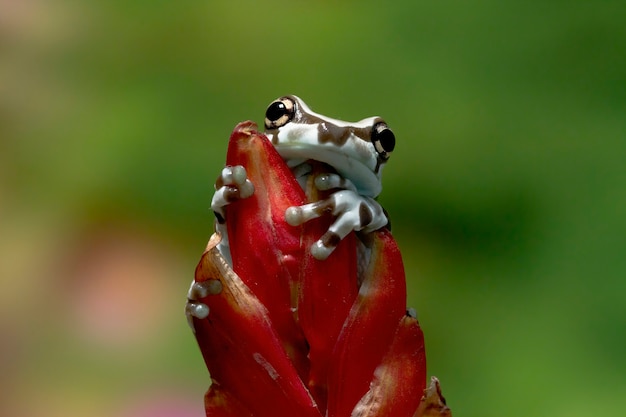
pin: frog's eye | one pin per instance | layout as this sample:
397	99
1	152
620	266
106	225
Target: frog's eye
383	139
279	113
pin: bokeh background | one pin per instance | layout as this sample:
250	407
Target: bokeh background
507	189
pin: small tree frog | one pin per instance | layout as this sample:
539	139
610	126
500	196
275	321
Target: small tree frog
357	151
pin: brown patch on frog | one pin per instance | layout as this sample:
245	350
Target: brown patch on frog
231	194
219	182
273	135
338	135
324	206
220	219
379	163
328	132
365	215
330	239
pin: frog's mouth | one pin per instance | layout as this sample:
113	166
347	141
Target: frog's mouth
366	179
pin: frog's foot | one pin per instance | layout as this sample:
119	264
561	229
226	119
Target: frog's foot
354	213
231	185
197	291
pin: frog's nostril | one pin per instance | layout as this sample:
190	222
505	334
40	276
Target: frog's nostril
279	113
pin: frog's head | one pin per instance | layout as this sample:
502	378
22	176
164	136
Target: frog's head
356	150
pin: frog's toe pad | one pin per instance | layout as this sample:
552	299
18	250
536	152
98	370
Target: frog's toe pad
326	182
235	177
325	246
294	216
231	175
231	185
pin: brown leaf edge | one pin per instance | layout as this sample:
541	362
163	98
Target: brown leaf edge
433	404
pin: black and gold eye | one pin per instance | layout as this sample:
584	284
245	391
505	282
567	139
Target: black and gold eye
279	112
383	139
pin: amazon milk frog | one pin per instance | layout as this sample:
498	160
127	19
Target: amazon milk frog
357	151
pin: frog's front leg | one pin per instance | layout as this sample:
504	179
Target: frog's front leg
354	213
231	185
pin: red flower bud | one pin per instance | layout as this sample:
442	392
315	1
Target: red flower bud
285	334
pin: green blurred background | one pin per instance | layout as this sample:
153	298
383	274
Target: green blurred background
507	189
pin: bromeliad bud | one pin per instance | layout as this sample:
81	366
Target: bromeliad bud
285	334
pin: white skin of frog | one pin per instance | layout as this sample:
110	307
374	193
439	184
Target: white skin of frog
354	159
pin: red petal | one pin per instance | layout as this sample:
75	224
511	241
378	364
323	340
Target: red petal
400	378
327	291
370	328
266	251
241	348
219	403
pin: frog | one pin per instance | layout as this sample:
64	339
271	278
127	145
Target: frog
356	152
